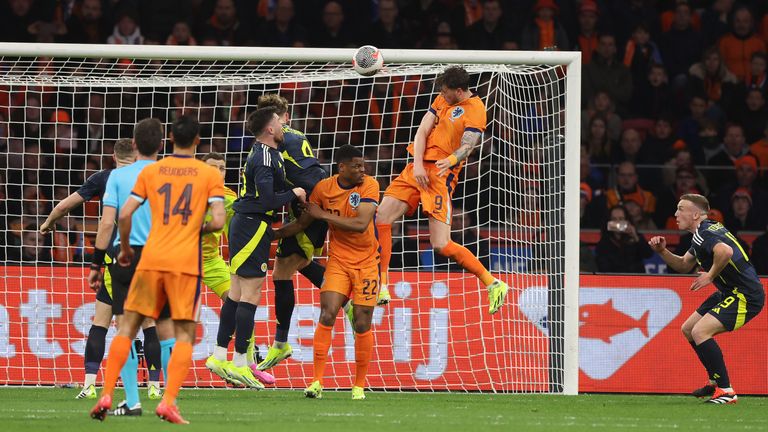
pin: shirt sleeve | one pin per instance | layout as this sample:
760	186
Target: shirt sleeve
370	192
93	186
706	240
139	191
317	194
437	104
476	118
110	193
264	181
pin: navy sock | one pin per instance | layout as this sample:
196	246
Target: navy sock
710	351
285	300
314	272
701	359
152	353
94	349
244	326
227	321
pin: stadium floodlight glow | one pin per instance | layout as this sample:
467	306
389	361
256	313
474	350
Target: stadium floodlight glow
63	105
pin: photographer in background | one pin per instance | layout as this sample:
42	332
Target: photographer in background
621	248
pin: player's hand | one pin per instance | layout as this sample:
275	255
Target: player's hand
315	211
444	165
47	227
658	244
301	194
420	174
125	257
94	279
703	280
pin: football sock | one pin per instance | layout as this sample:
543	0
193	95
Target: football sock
166	347
314	272
90	379
285	300
320	344
701	359
363	348
385	243
178	367
226	322
118	353
239	360
244	325
468	261
94	349
152	353
220	353
710	351
130	380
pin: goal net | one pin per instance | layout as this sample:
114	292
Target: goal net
62	107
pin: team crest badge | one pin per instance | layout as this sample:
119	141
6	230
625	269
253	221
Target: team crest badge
456	113
354	199
264	267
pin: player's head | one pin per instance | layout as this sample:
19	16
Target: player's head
123	152
453	84
691	210
278	102
351	164
185	132
265	123
217	161
148	136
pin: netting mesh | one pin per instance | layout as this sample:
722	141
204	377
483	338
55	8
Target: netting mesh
60	117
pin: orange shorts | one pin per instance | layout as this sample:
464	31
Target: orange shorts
360	285
435	200
151	289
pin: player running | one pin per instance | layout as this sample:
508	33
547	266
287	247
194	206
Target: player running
738	299
179	189
447	135
347	202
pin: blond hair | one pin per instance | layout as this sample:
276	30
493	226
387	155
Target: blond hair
700	201
274	100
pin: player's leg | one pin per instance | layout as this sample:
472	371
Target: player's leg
364	298
178	367
250	297
330	303
94	346
153	357
390	209
709	388
703	334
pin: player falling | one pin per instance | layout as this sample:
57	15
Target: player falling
347	202
179	189
738	299
447	135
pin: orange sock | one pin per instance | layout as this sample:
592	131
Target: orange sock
468	261
118	354
320	344
385	241
363	349
178	368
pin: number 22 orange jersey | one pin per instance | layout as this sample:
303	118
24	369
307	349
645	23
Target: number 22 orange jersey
179	189
352	249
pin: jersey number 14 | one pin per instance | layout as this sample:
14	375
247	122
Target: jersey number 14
182	204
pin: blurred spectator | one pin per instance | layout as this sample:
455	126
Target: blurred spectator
63	134
741	216
630	148
714	21
689	126
628	189
592	206
87	23
738	46
181	35
586	40
734	146
627	14
710	77
759	256
745	177
754	115
443	38
652	95
389	31
16	16
490	32
640	53
224	26
682	159
33	246
681	46
638	217
601	105
758	78
587	261
621	248
597	140
590	175
760	149
423	17
545	31
605	72
127	31
659	141
464	232
284	30
333	33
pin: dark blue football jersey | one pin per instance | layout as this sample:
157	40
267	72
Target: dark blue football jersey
95	185
264	185
301	166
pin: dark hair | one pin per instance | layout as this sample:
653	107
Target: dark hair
213	155
185	129
148	135
347	152
259	119
454	77
274	100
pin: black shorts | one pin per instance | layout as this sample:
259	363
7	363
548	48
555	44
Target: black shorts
121	278
250	238
102	295
308	243
732	310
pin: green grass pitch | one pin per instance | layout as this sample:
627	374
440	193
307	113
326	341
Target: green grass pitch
55	409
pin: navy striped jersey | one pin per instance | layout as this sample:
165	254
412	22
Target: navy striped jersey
264	186
95	185
738	273
301	167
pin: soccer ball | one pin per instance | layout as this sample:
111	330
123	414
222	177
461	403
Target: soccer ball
367	60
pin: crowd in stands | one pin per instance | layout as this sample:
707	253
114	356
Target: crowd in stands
673	96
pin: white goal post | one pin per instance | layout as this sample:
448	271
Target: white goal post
62	106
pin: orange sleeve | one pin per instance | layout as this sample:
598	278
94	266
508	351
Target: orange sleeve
438	103
370	192
317	194
476	117
140	187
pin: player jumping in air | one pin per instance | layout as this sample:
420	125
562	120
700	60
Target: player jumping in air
738	299
347	202
447	135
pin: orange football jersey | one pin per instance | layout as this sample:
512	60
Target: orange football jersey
353	249
450	123
179	189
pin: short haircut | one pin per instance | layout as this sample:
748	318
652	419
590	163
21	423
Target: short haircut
274	100
346	153
453	77
213	155
148	135
123	148
701	202
185	129
259	119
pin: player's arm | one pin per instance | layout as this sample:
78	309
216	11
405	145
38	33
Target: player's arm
359	223
680	264
469	141
124	226
294	227
420	146
722	254
62	209
264	181
218	216
104	233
